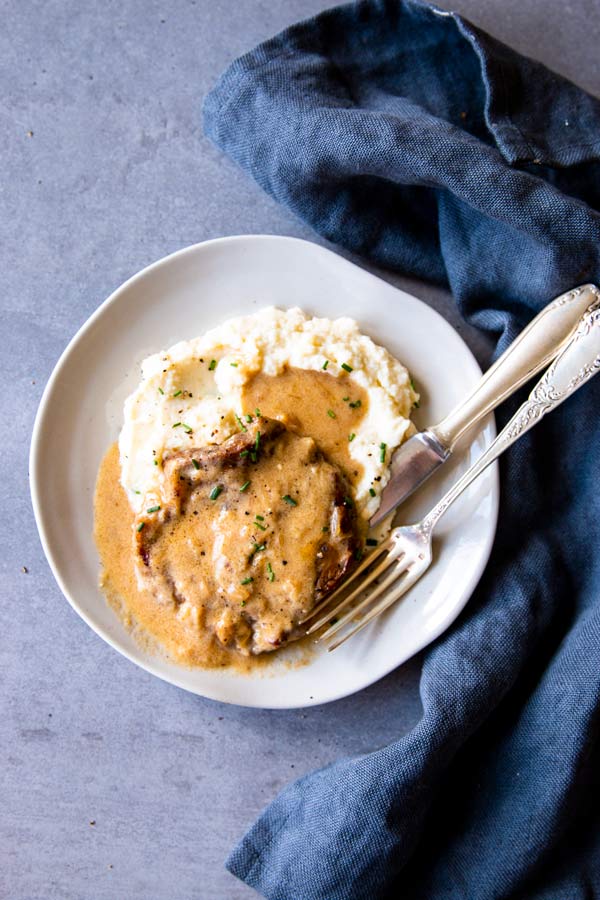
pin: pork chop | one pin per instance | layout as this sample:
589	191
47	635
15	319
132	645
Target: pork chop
249	536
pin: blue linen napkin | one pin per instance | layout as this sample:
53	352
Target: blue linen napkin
406	134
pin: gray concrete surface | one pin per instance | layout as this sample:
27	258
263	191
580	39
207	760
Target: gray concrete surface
113	784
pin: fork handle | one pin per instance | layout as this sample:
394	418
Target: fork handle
529	353
576	363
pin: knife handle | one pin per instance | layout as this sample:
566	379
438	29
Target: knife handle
577	362
533	349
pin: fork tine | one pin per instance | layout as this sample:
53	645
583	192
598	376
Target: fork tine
370	559
383	604
378	570
398	570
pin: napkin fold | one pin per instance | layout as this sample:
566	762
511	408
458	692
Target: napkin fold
404	133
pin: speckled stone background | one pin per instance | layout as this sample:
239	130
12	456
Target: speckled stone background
113	785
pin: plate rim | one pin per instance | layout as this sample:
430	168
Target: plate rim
35	451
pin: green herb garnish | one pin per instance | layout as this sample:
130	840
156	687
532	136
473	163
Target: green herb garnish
325	364
196	464
356	404
160	391
248	417
258	525
346	367
235	365
244	453
345	399
372	492
331	414
325	528
212	365
260	518
244	487
257	412
383	448
247	580
153	509
215	492
187	428
140	526
176	425
240	423
348	501
271	573
177	393
289	500
351	437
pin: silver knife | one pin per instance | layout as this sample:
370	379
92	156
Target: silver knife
535	347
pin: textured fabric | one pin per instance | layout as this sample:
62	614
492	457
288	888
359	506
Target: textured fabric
406	134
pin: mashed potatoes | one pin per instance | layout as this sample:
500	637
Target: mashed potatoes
191	394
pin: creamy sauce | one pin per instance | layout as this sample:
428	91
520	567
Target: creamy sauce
242	546
305	399
217	557
154	623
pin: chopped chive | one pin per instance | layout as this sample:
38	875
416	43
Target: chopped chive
331	414
212	365
257	442
289	500
137	492
176	425
187	428
256	548
215	492
412	384
155	462
160	391
196	463
351	437
260	518
243	603
247	580
240	423
258	525
248	417
325	364
153	509
348	501
140	526
345	399
271	572
177	393
257	412
244	487
244	453
383	448
325	528
235	365
371	542
356	404
346	367
372	492
253	456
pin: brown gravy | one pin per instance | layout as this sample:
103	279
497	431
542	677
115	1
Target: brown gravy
154	623
305	400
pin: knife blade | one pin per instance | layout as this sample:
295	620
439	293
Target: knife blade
537	345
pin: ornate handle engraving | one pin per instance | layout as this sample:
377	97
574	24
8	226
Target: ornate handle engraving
576	363
529	353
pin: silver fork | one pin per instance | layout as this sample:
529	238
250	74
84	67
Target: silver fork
394	567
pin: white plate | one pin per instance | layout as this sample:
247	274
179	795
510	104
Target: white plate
180	297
